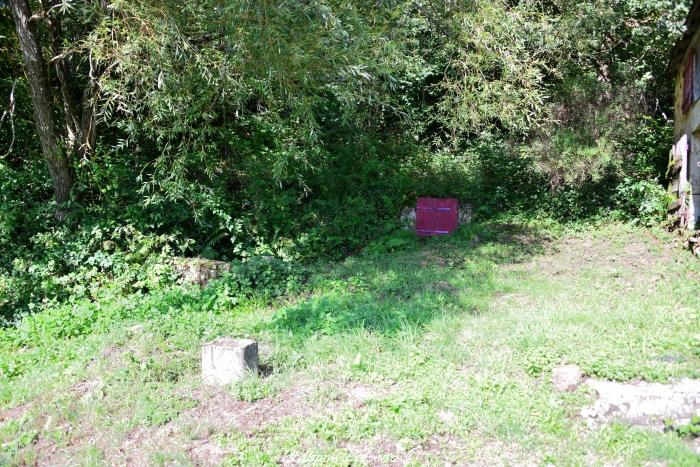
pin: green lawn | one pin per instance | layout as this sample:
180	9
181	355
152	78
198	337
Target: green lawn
440	352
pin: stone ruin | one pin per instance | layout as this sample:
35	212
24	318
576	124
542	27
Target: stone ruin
643	404
637	403
199	271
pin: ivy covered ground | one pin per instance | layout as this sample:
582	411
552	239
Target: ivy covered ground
412	352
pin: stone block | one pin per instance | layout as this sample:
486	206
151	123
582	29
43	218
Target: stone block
226	360
200	271
408	218
567	377
641	404
466	213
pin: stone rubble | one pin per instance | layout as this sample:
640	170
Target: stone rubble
566	377
642	404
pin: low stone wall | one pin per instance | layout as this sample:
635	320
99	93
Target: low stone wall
200	270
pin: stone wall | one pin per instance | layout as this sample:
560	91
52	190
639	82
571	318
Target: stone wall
199	270
684	157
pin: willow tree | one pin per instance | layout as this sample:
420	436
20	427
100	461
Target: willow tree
211	86
53	78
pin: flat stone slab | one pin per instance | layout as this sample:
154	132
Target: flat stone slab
226	360
643	404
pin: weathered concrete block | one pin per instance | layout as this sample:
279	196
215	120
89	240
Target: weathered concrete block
643	404
200	270
226	360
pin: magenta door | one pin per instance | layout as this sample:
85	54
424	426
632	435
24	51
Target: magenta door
436	216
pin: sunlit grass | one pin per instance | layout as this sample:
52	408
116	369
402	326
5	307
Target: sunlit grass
440	351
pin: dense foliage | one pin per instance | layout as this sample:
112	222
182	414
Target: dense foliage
299	129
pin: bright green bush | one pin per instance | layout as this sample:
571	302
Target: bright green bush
397	241
76	263
259	277
264	276
642	201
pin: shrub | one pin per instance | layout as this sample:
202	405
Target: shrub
263	276
397	241
642	201
80	263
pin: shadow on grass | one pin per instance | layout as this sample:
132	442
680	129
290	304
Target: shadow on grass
410	288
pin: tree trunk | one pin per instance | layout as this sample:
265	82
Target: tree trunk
65	78
35	67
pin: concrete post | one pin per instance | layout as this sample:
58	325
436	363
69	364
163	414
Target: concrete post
225	360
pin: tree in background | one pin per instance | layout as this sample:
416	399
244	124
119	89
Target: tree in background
246	124
608	88
70	133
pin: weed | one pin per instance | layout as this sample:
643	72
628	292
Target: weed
252	387
690	429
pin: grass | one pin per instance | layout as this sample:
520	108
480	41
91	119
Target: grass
438	352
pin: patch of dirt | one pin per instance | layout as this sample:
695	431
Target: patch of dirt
48	453
222	412
443	286
438	449
112	351
612	258
16	412
289	403
634	253
522	239
642	404
519	234
85	389
193	432
695	445
499	453
359	394
208	453
111	357
378	451
428	257
440	446
381	450
219	412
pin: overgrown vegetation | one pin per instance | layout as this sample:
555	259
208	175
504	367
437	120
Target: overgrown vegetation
299	130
